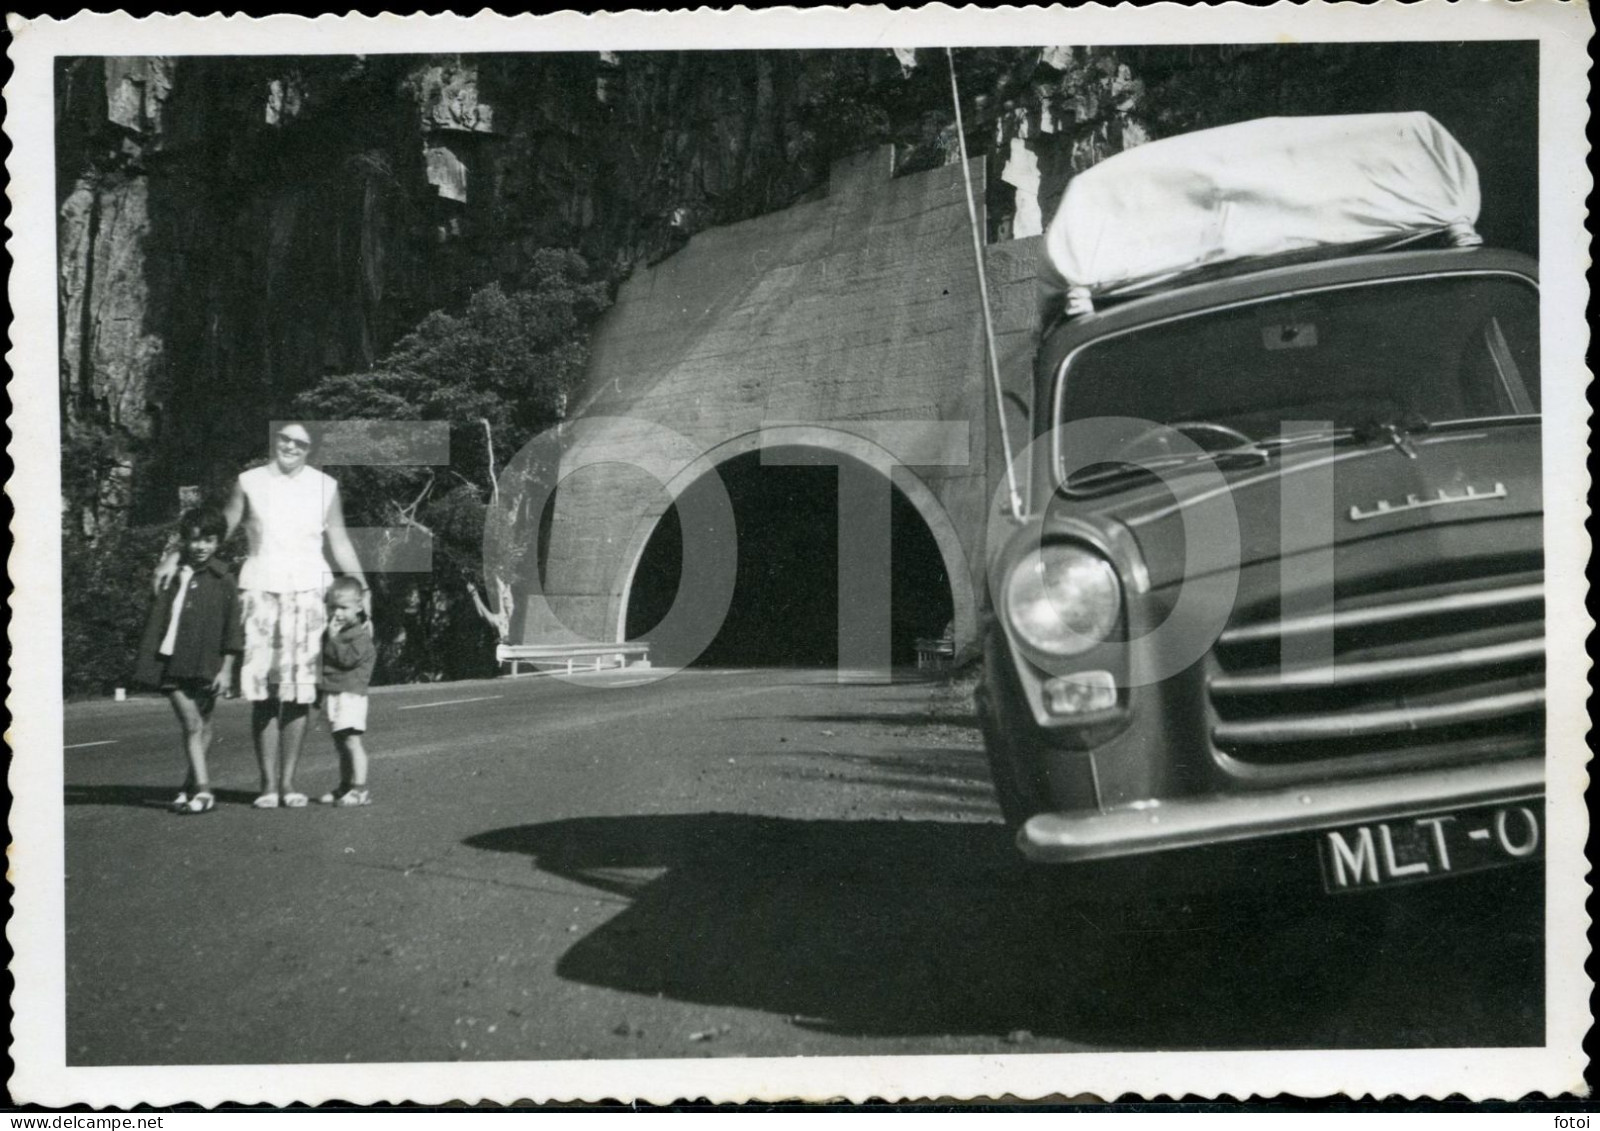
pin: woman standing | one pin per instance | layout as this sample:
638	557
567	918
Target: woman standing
290	509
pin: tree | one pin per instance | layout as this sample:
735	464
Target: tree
105	597
499	371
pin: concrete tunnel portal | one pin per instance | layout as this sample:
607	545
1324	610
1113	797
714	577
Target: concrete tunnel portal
784	610
850	324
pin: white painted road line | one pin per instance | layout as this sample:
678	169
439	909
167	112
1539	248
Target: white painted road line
81	745
546	727
450	702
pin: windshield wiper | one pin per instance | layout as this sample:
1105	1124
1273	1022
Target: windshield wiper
1470	422
1277	444
1098	478
1397	433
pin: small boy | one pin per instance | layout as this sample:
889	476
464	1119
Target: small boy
191	645
348	655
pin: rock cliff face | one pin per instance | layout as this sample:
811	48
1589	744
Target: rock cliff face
232	229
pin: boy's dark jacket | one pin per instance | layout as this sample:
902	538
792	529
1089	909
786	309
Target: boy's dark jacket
208	628
348	657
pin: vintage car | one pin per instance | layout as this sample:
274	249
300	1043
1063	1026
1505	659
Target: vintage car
1278	578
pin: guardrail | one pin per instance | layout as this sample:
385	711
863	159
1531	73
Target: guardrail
602	655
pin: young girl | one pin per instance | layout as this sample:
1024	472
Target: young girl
348	655
190	646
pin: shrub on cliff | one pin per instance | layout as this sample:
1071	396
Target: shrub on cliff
499	371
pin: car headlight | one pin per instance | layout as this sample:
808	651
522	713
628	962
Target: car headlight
1063	599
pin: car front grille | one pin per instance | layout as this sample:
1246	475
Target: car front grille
1405	675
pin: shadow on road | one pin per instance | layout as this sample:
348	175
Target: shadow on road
923	927
932	782
895	720
143	796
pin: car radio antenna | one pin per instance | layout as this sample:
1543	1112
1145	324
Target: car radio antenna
1015	497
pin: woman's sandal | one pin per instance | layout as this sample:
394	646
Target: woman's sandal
295	800
201	801
265	801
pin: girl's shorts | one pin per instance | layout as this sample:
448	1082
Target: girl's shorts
346	711
197	689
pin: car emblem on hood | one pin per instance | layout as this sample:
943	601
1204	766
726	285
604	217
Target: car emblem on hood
1442	499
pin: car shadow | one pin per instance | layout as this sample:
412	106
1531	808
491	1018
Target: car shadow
908	927
143	796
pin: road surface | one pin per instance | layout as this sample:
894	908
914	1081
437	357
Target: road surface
720	863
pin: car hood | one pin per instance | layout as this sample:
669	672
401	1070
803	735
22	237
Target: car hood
1458	476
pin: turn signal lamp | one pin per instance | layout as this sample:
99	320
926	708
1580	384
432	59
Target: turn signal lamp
1081	693
1063	599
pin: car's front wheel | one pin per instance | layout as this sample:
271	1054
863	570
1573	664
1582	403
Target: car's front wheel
1018	779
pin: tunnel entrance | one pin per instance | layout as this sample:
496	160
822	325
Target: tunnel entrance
784	611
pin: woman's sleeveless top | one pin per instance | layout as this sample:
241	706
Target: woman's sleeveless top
285	517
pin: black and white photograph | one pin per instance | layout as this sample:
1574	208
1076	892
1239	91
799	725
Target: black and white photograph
686	557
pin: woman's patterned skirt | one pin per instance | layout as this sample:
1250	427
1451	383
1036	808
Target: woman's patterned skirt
282	645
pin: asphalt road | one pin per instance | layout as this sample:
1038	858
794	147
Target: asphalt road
720	863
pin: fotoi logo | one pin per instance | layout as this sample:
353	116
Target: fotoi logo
1058	577
1201	500
865	453
405	547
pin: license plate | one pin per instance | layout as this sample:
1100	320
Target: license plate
1408	850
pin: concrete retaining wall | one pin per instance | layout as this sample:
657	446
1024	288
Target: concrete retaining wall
820	325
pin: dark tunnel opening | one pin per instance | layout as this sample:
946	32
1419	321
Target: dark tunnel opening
784	611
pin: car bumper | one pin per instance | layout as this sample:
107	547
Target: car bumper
1060	838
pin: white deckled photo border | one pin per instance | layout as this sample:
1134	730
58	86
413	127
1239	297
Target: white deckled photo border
36	929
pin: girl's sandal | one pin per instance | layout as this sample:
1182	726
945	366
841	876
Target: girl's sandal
295	800
201	801
265	801
353	797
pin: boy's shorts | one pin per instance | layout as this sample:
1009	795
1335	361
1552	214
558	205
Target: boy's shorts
346	711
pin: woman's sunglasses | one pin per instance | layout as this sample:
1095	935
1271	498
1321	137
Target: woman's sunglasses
299	444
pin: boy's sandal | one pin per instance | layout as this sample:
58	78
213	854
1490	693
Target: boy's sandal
265	801
346	797
202	801
295	800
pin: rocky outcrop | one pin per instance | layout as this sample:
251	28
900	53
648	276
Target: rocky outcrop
233	229
111	353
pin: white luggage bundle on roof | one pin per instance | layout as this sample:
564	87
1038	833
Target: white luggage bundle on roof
1261	188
